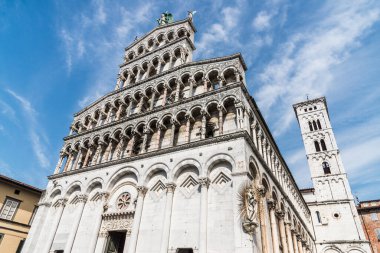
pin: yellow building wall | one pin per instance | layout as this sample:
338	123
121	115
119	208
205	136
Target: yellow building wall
16	230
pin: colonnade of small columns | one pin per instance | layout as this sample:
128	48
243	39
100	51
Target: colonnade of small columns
153	43
196	124
157	65
175	90
269	154
286	233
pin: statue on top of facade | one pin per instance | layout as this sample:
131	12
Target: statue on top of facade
166	18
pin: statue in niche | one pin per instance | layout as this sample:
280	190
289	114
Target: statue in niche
248	208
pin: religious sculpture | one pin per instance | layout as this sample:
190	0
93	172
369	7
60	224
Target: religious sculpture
166	18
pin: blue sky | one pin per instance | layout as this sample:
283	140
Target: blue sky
58	56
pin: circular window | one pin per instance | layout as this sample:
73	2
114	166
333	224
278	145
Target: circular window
336	215
123	201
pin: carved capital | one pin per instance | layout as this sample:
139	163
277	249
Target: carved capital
204	181
82	198
141	190
271	203
170	187
280	214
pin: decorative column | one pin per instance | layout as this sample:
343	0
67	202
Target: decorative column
299	242
137	219
263	226
159	130
118	113
107	153
100	148
239	116
82	199
145	137
68	161
220	119
281	216
273	223
78	161
289	237
90	150
204	182
170	187
295	244
303	246
203	128
177	90
172	137
153	99
103	196
118	82
74	155
204	84
191	87
48	241
187	133
237	76
59	164
165	95
254	135
140	104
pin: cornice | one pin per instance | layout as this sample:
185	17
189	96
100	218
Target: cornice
170	71
226	137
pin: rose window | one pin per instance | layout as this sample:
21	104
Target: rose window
123	201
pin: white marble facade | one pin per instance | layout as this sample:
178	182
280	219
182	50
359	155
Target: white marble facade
177	159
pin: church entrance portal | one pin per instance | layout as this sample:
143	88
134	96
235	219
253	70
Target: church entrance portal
116	241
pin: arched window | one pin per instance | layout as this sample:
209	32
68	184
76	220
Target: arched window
317	148
318	217
315	125
326	168
310	126
319	124
323	145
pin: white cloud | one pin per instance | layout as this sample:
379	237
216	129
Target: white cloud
303	65
262	21
223	31
100	37
36	134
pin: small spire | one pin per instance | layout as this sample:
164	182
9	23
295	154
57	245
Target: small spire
307	97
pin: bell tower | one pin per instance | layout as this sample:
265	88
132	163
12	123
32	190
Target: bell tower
331	202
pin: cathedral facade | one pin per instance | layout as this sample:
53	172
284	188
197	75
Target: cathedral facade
176	159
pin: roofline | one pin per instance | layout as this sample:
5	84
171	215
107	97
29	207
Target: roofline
159	27
305	190
323	99
228	57
369	201
21	184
